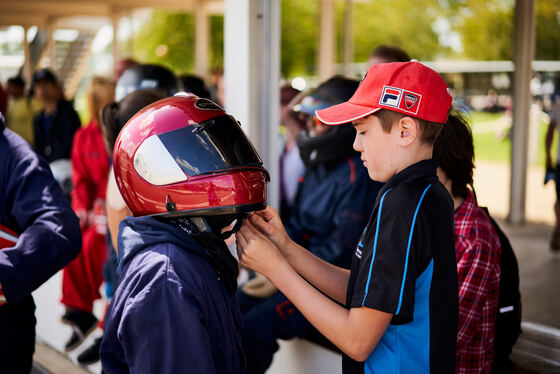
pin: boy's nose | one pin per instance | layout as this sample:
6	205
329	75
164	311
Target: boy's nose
356	145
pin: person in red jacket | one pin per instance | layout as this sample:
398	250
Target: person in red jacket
82	278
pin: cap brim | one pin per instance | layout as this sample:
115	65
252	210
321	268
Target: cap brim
344	113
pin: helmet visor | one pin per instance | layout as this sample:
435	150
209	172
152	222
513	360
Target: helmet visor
211	146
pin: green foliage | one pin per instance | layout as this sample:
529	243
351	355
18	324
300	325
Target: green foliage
403	23
217	41
487	29
167	39
299	35
484	26
548	30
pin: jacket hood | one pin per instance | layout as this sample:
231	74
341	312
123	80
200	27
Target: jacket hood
137	233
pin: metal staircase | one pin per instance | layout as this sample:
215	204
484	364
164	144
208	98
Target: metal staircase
71	57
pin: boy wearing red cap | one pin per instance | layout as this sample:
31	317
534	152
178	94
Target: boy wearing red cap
401	292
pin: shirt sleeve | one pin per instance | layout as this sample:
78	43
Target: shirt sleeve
162	331
49	232
474	270
388	268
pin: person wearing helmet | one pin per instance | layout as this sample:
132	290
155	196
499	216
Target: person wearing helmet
146	76
187	172
333	203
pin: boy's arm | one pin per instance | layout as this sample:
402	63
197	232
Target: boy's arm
356	331
329	279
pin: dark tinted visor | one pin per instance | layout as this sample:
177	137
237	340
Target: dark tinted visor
210	146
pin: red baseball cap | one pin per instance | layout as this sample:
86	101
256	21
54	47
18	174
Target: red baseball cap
405	87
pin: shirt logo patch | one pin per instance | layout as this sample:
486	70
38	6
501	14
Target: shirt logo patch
358	252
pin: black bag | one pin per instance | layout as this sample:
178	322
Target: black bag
508	321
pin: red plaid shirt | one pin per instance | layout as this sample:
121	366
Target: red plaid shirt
477	250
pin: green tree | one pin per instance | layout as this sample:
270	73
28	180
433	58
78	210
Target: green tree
547	30
168	39
487	29
299	35
403	23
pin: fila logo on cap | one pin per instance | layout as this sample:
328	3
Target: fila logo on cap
391	97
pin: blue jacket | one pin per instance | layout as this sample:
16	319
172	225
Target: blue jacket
170	312
57	142
33	206
332	207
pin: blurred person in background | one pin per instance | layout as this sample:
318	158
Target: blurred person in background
21	109
46	237
553	126
386	53
333	203
477	249
55	125
122	65
3	101
82	278
194	84
291	164
143	77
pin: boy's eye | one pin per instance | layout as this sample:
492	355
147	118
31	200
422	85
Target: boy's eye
361	133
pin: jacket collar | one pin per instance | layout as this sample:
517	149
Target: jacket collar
424	168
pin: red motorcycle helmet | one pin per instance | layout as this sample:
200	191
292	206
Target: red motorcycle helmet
184	156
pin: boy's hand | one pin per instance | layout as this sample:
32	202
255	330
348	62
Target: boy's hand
256	251
268	222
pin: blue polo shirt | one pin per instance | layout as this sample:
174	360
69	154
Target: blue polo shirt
405	265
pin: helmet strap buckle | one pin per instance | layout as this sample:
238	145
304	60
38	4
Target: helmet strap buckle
169	204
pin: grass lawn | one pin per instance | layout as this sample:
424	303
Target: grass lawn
489	144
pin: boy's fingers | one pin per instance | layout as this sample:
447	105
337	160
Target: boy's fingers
260	223
240	237
246	231
269	213
255	230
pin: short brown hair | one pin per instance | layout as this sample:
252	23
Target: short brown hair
428	130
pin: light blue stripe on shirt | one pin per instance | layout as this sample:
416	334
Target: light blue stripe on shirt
374	244
408	247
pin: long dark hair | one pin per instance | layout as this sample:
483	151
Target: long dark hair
454	152
116	114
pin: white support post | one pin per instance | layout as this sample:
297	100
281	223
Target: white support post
51	44
252	74
27	74
326	53
202	40
524	49
348	38
115	18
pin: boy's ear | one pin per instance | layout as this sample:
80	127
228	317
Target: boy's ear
408	131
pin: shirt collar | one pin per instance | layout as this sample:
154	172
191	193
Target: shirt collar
464	215
424	168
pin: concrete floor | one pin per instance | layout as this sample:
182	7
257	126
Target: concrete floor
539	272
